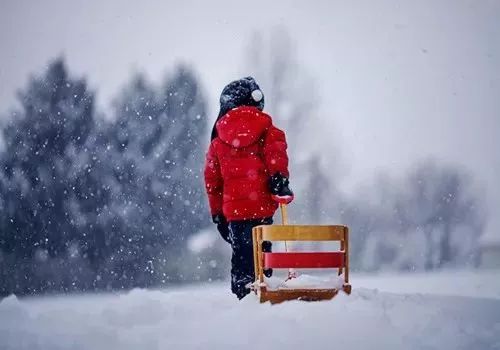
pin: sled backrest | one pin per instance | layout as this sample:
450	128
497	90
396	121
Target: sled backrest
336	259
303	232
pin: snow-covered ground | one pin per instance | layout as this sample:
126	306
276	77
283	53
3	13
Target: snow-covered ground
446	310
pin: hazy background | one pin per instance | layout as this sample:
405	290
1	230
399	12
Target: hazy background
397	80
382	86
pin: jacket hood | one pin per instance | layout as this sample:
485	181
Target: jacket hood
243	126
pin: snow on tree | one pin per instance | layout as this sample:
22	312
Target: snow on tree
44	144
156	142
186	113
441	203
427	219
89	202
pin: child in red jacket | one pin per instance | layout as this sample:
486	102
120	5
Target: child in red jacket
246	174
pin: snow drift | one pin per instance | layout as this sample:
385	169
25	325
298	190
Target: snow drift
208	317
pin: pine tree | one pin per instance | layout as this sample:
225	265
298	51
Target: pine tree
157	148
44	152
185	110
132	166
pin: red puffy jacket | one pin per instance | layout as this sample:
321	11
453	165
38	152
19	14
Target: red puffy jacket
240	160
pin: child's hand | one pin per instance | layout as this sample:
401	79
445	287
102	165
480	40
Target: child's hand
281	193
222	226
283	199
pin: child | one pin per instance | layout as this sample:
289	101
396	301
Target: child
246	174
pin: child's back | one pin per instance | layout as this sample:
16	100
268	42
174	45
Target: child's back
240	161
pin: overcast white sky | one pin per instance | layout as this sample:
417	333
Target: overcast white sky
398	80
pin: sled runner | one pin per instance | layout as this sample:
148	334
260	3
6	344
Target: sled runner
293	260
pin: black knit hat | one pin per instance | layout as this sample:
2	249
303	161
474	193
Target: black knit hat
243	92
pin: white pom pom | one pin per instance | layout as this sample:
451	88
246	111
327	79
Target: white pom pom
257	95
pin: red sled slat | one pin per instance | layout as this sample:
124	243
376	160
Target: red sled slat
304	260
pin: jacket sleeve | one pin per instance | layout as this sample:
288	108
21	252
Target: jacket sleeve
275	155
213	181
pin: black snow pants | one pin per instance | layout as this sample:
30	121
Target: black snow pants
242	268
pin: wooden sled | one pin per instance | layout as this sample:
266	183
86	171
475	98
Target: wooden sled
293	260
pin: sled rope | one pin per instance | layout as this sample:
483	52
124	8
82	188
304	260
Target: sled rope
284	222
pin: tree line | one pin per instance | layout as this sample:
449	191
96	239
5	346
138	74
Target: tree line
92	203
